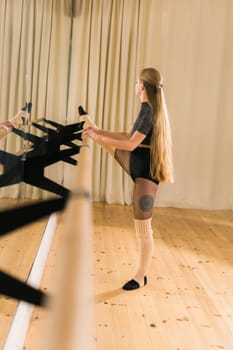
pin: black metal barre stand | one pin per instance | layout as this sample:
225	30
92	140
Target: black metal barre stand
19	168
29	167
14	288
17	217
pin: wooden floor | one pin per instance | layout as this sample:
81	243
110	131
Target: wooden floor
188	302
17	253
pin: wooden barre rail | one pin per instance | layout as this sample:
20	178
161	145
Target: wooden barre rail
72	321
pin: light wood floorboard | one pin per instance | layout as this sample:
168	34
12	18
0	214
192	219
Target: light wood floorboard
17	253
188	302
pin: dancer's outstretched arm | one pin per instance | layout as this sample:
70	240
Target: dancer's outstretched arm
90	123
124	141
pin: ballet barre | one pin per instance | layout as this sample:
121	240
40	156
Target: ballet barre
72	319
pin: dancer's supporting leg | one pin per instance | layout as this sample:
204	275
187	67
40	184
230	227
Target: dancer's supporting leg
144	194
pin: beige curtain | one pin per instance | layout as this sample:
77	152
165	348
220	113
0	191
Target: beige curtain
190	41
34	56
103	75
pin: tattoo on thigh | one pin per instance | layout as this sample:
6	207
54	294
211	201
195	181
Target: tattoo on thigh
146	203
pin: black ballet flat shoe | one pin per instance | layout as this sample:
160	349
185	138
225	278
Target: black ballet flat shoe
132	284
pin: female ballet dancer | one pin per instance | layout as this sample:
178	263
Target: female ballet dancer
144	152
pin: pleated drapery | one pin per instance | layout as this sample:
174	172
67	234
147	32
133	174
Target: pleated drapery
34	58
190	42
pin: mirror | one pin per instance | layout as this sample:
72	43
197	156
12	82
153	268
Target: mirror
18	251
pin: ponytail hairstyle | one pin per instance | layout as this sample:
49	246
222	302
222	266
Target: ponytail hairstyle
161	164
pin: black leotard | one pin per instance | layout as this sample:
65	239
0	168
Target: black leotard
144	122
137	162
140	156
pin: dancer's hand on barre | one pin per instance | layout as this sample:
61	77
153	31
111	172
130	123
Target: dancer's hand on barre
17	119
88	121
92	132
7	126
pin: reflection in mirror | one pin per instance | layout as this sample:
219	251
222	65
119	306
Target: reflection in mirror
17	253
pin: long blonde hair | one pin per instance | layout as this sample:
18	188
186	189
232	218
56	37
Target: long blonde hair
161	163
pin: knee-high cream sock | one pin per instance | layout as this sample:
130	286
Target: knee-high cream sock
144	233
89	122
